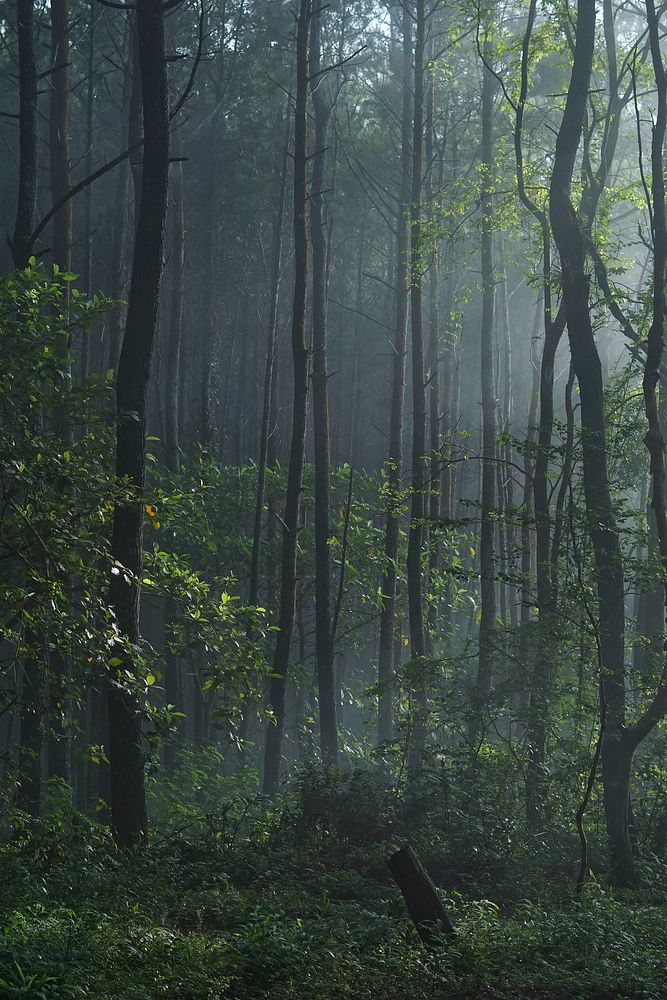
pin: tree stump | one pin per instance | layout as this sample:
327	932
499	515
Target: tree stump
423	903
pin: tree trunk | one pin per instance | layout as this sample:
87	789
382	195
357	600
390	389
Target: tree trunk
128	802
419	466
27	189
268	401
273	747
601	523
487	625
173	682
321	433
386	665
59	133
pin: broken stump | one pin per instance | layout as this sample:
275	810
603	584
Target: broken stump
421	898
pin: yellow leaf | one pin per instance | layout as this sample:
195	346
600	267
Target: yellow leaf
150	510
156	525
405	641
473	552
478	616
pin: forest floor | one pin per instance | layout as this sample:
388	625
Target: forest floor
206	915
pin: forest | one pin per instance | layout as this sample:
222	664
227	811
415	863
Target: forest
333	500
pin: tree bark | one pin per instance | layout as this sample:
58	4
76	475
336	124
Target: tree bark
128	802
421	897
487	625
173	682
321	432
386	665
419	466
273	747
616	762
21	244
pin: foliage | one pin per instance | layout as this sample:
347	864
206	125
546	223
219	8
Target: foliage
198	917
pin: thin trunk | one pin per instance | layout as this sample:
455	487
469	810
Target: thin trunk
321	432
386	664
121	216
87	272
59	133
419	466
435	463
21	244
173	682
268	401
273	747
487	625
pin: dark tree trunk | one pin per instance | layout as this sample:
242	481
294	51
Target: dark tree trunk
59	133
87	269
419	462
268	404
487	625
386	665
435	462
273	747
616	762
173	683
61	253
120	221
27	189
540	667
128	802
321	433
527	533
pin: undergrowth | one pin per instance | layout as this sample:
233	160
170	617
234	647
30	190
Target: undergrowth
252	901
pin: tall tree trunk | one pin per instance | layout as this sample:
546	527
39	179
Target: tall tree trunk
59	133
419	461
173	682
321	433
87	270
27	189
128	801
273	747
435	462
386	663
602	527
120	221
526	651
268	404
268	401
58	743
487	625
541	665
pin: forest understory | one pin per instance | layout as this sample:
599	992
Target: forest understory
297	900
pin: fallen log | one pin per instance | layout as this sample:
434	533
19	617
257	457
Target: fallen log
424	905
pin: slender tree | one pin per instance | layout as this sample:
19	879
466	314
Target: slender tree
395	454
21	243
487	624
320	379
288	583
126	757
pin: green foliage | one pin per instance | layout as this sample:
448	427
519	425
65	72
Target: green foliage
199	918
